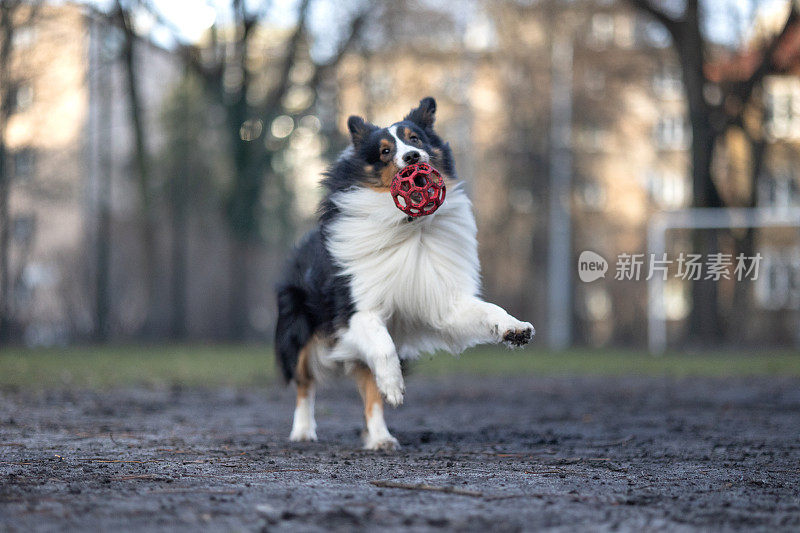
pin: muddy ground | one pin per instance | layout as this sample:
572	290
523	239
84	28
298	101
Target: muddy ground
516	454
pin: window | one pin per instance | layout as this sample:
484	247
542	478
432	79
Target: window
624	31
24	164
778	282
381	86
590	138
602	30
667	82
479	35
598	303
671	132
783	108
23	98
676	300
24	37
657	35
778	190
595	82
592	196
669	189
23	228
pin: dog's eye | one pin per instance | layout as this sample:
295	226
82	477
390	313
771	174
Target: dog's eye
385	151
414	138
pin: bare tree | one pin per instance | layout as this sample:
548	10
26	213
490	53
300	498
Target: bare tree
214	63
187	175
141	157
103	234
13	14
709	118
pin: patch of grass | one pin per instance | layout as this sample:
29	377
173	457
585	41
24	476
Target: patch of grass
103	367
612	362
242	365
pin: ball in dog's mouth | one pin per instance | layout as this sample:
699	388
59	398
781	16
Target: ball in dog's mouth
418	190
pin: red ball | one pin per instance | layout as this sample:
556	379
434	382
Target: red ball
418	190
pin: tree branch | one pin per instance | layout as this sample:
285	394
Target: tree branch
672	25
276	95
190	54
744	90
355	32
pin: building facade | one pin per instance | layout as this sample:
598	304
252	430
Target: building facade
69	140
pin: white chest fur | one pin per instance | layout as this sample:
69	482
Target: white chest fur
406	271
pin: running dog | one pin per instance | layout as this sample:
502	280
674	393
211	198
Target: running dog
371	286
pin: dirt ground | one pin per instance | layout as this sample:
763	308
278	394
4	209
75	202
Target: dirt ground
505	454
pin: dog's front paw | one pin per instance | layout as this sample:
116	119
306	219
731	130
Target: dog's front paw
519	335
393	393
387	444
390	382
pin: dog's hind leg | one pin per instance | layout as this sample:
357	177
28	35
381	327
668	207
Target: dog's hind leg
376	436
304	427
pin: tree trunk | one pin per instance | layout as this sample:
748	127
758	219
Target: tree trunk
745	244
179	254
238	310
6	36
704	318
141	162
102	264
5	243
103	236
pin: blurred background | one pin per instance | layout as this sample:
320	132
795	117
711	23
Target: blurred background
158	159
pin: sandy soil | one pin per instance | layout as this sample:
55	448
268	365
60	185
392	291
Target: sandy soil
518	454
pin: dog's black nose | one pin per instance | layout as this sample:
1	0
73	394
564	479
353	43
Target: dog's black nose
411	157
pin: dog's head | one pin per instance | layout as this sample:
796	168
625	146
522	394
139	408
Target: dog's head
385	151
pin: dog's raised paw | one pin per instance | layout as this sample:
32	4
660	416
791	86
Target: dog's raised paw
391	386
518	336
393	395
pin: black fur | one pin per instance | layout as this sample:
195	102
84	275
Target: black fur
424	115
314	296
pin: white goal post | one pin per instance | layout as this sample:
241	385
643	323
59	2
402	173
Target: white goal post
699	218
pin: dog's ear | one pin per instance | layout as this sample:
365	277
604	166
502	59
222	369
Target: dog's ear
424	115
359	129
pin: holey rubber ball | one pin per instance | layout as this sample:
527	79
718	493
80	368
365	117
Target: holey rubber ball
418	190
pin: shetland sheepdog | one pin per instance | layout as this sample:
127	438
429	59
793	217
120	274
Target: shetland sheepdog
371	286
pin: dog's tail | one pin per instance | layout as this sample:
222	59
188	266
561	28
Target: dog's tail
293	329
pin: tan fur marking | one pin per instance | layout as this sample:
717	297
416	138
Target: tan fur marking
387	175
302	374
368	389
437	158
381	181
302	392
